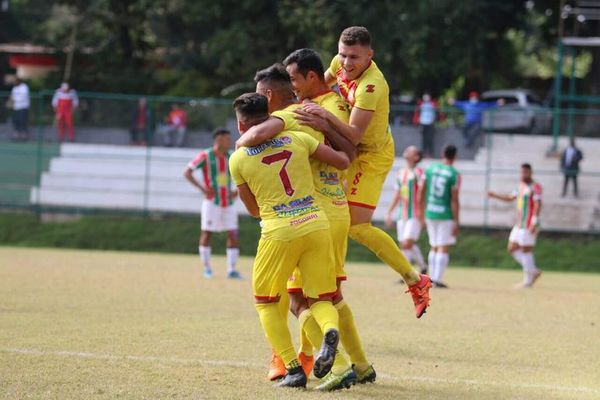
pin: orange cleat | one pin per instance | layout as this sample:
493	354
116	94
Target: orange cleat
420	295
307	362
276	368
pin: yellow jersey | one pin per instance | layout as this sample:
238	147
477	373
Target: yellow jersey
370	92
279	175
327	179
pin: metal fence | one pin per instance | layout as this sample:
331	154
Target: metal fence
103	171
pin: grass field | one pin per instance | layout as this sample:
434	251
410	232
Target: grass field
89	324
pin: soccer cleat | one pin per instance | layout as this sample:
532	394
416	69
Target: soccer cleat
294	378
440	285
307	362
326	356
367	376
235	275
208	274
337	382
276	368
420	295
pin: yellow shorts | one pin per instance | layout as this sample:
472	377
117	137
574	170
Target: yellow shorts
275	261
339	234
366	176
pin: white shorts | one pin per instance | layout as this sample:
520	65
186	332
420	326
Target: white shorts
522	237
218	219
408	230
440	232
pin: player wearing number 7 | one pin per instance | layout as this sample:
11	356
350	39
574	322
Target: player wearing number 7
366	91
274	181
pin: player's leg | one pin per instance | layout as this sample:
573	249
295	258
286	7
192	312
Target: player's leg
410	235
273	264
206	226
229	219
310	332
527	242
318	274
432	233
444	240
515	250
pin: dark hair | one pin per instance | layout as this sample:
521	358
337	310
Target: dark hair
275	73
356	35
220	132
449	152
526	166
306	60
251	105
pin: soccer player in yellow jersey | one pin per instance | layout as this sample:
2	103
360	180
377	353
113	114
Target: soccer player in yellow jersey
306	70
365	90
275	183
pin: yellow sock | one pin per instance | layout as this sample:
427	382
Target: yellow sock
349	337
277	333
311	332
284	306
340	364
384	247
326	315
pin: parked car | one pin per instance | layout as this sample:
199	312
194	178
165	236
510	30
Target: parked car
522	112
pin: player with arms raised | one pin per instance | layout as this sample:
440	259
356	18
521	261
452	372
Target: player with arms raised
274	181
365	90
524	234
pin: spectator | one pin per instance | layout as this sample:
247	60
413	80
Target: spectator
64	101
473	109
19	98
176	124
425	116
139	123
569	164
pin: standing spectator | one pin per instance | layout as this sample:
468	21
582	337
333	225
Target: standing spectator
64	101
425	116
569	164
139	123
176	124
19	97
473	109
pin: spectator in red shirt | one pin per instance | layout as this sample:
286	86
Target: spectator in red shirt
64	101
173	132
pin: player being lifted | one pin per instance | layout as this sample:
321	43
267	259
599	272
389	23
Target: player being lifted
524	234
440	205
410	220
306	72
218	212
365	90
275	183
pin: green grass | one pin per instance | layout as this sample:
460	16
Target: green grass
103	325
20	170
180	235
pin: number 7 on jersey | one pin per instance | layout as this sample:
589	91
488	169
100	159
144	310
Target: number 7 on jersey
284	156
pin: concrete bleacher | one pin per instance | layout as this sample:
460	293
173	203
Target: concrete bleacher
139	178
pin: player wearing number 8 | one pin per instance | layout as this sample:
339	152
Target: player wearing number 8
274	181
440	205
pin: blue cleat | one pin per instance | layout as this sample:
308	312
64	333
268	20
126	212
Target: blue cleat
208	274
235	275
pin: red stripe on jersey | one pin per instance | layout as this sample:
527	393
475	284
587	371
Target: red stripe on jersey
221	169
362	205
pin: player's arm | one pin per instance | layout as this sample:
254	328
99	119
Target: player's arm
188	173
329	78
335	158
354	130
249	200
537	209
455	207
503	197
261	133
393	206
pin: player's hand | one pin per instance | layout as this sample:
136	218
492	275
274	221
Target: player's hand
532	229
312	120
490	194
455	229
209	193
315	109
388	221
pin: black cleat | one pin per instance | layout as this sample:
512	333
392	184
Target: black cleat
295	378
324	360
367	376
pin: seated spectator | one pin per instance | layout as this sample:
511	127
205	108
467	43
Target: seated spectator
174	129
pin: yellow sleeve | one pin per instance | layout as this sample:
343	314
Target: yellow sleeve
334	66
308	141
289	122
368	93
234	167
337	107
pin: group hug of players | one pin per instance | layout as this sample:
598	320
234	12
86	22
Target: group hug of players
311	163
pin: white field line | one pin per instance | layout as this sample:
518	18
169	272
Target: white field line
243	364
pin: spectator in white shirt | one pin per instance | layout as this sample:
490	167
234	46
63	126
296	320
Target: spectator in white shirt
19	98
